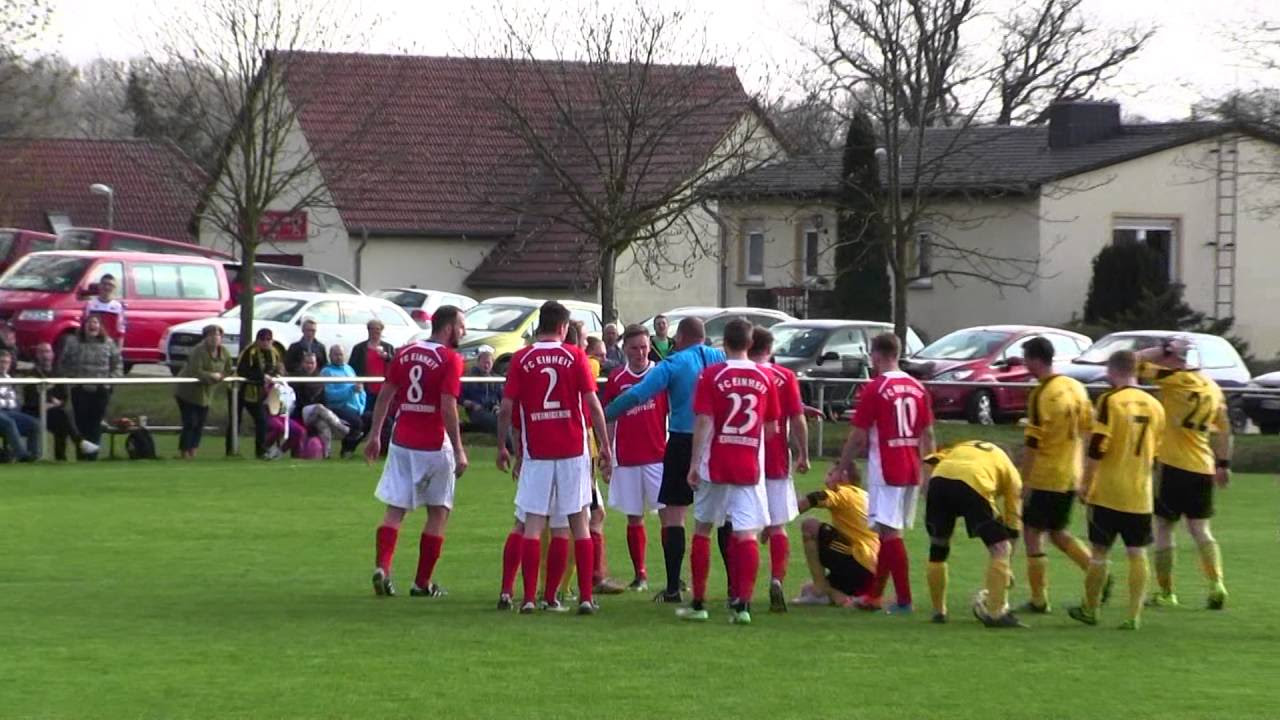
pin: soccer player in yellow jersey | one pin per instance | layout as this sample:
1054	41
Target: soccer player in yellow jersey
1059	418
842	555
1195	456
976	481
1127	431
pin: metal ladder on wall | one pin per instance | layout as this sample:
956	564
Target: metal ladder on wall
1224	250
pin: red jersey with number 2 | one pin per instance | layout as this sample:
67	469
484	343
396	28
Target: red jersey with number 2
777	451
545	381
741	399
424	373
895	410
640	435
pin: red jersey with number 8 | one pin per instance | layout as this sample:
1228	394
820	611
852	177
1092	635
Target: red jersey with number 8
741	399
545	382
423	373
895	410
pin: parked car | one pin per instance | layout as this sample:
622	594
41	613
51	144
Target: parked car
830	349
114	240
507	323
991	353
1264	410
269	276
44	295
15	243
340	320
715	318
422	303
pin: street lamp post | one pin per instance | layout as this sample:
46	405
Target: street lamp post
100	189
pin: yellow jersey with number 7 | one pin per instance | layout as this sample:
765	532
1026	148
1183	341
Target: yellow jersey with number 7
1195	408
1128	428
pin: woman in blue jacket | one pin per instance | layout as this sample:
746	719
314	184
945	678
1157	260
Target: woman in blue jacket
346	400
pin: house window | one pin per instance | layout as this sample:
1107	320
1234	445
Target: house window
923	262
811	253
753	257
1159	235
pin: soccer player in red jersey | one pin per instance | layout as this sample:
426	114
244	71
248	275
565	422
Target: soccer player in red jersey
893	422
779	487
639	439
736	409
551	384
426	454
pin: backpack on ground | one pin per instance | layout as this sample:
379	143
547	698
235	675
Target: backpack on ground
139	444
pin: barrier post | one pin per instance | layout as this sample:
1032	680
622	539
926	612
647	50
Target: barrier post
822	407
44	421
233	419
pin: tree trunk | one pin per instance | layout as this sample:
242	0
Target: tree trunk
248	249
900	284
608	304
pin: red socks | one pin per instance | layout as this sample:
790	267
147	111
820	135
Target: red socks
746	565
892	562
779	553
529	567
428	554
635	544
511	562
700	565
385	547
597	549
557	563
584	555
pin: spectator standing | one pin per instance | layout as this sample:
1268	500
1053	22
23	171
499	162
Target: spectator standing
308	344
660	346
372	358
481	400
108	309
613	356
209	362
15	425
346	400
90	353
8	338
58	418
259	365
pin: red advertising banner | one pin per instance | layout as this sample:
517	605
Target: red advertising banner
280	226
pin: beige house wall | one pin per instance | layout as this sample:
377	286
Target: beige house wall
783	226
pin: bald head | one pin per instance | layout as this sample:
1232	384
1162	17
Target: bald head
690	332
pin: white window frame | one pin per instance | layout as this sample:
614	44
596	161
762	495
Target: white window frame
1140	225
747	237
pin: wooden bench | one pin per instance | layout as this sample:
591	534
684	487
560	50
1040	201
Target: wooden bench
112	431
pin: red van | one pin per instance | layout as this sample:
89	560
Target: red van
14	243
99	239
43	295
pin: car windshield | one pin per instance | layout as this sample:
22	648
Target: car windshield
404	298
797	342
6	244
271	309
965	345
497	318
45	273
1098	353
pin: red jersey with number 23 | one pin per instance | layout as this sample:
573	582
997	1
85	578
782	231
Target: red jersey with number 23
741	399
545	381
640	435
895	410
777	451
424	373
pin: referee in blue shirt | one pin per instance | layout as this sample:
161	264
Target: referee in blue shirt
677	375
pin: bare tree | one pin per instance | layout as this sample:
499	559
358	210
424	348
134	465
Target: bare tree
32	82
808	125
622	131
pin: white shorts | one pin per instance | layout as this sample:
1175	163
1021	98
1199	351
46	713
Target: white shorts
414	478
744	506
556	522
783	507
554	487
634	489
892	505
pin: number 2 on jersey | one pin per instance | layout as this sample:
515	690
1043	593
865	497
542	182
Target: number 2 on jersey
553	377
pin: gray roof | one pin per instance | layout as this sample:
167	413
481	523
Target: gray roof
986	159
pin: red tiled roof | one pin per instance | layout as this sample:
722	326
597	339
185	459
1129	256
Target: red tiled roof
43	175
414	145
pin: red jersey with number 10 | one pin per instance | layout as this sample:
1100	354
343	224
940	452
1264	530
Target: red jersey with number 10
741	399
545	382
640	435
423	373
777	451
895	410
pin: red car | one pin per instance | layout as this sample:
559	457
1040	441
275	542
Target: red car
15	243
991	353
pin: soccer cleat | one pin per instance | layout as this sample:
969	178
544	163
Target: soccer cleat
554	607
528	608
88	448
692	614
432	590
866	602
588	608
1162	599
740	617
638	585
504	602
808	597
1107	587
1130	624
382	584
1007	620
898	609
608	586
1217	597
272	453
666	597
777	599
1034	609
939	618
1084	615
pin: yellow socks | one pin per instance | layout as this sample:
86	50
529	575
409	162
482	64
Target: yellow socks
1164	569
1078	552
937	574
1038	578
1211	562
1139	574
997	586
1094	579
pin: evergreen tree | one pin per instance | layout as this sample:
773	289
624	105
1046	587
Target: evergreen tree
1125	273
862	268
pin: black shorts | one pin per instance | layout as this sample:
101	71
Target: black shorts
1182	492
949	500
675	488
844	572
1048	510
1105	524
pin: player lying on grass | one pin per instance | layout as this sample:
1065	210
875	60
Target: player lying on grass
842	555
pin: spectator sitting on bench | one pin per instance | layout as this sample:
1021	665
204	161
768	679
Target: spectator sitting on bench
481	400
90	353
57	415
16	425
209	362
346	400
309	408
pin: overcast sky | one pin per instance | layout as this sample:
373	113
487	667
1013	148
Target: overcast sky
1189	58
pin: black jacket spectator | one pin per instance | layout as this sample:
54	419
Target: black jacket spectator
358	360
293	356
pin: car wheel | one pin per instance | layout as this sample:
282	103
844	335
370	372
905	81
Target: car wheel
127	367
1239	420
1269	429
174	370
981	408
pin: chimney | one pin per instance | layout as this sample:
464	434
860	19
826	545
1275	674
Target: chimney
1079	122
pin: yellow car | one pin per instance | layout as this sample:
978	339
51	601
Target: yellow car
507	324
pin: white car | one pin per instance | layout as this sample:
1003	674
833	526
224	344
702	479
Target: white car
421	304
340	320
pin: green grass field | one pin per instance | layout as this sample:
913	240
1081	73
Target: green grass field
234	588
